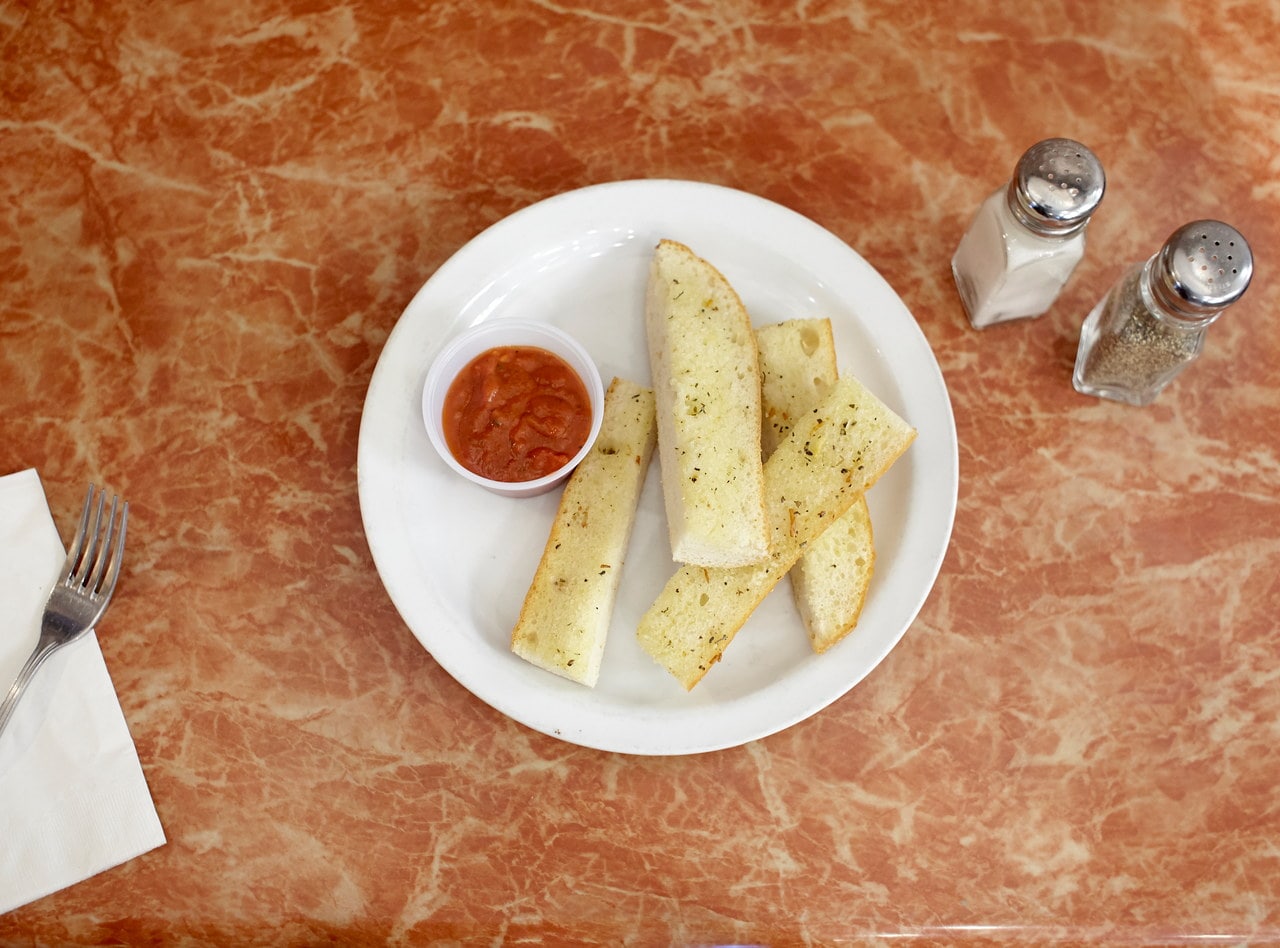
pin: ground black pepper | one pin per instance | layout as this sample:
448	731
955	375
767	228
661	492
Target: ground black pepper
1129	353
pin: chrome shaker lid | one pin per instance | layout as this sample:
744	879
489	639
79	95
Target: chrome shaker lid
1203	267
1056	185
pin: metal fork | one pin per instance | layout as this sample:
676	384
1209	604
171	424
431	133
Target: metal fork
82	590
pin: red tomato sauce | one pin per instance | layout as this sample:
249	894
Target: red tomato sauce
516	413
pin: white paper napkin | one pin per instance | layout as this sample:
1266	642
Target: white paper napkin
73	798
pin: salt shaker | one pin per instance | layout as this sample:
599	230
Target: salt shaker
1151	325
1028	235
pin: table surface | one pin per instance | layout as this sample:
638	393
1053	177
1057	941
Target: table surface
211	218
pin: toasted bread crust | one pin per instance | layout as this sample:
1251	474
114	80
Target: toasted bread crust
830	458
706	379
564	622
831	579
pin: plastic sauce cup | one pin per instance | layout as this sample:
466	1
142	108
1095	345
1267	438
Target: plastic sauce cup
492	334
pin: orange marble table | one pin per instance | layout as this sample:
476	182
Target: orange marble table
211	217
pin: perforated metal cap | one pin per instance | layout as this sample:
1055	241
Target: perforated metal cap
1203	267
1056	185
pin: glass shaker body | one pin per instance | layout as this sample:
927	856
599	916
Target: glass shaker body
1129	350
1004	271
1151	325
1027	237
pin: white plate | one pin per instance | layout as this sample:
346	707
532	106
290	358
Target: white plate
457	560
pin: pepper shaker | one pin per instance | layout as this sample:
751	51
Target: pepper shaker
1151	325
1028	235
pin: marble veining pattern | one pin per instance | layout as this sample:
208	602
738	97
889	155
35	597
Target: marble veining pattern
211	217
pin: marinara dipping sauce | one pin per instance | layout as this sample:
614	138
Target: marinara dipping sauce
516	413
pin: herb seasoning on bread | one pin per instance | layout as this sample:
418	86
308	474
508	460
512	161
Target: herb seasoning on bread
831	457
830	580
565	619
706	378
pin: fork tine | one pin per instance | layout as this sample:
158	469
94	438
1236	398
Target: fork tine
77	542
117	553
94	571
84	569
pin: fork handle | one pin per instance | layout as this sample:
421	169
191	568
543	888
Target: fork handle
42	651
